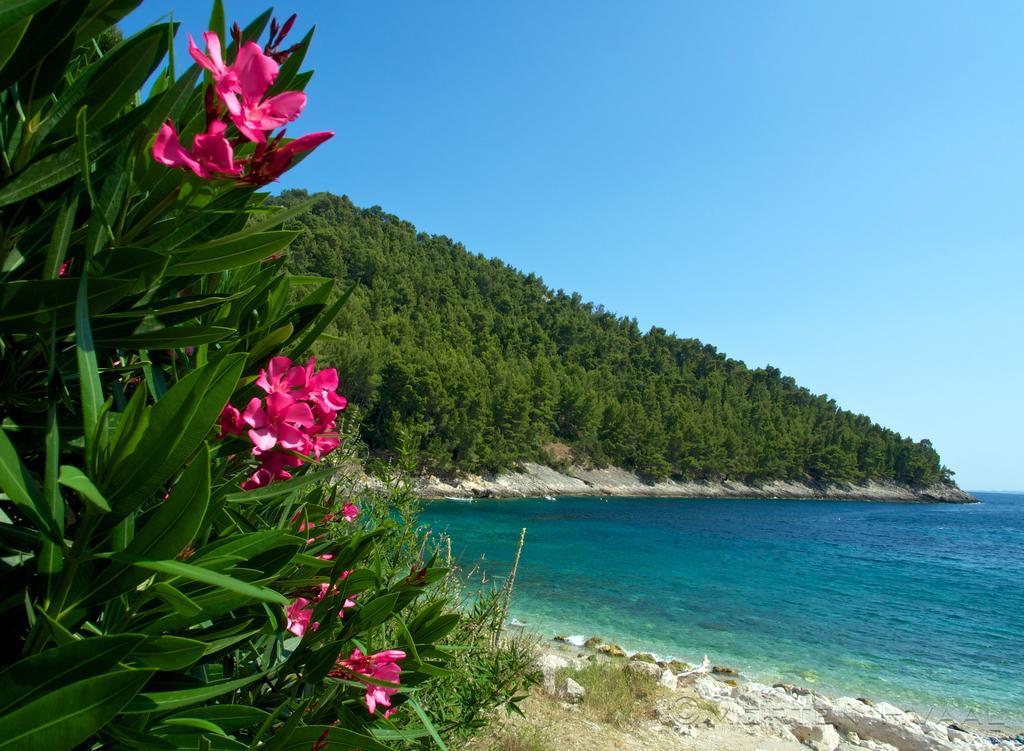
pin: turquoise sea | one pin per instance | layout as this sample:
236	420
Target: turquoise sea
918	605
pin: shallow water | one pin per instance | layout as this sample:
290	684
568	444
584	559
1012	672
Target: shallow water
919	605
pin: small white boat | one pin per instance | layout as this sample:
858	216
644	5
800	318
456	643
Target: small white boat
549	498
460	499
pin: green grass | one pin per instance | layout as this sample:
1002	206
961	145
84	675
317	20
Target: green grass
614	696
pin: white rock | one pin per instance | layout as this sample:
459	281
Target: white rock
668	678
882	722
571	691
708	688
818	737
549	665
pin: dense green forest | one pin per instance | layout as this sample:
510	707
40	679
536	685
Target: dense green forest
482	366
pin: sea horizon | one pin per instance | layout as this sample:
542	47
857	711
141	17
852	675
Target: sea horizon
913	604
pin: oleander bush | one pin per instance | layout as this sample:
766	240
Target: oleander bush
180	566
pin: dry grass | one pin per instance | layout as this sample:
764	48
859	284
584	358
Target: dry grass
521	738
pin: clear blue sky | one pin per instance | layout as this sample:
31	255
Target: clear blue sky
835	189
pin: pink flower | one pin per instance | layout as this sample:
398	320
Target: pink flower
322	389
256	115
279	423
272	467
230	421
251	74
350	511
298	615
211	151
300	612
382	666
294	422
271	160
280	376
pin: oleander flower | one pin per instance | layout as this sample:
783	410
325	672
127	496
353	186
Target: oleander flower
211	152
293	423
300	611
382	666
243	87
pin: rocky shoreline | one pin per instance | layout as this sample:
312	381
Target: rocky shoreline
537	481
781	716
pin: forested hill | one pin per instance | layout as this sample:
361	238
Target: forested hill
485	366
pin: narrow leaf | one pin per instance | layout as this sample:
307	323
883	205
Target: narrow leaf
203	575
75	479
161	701
64	718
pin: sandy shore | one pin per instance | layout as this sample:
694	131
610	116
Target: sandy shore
536	481
710	708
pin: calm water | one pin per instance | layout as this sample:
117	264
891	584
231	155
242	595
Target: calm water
922	606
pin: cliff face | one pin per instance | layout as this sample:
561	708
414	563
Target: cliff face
535	480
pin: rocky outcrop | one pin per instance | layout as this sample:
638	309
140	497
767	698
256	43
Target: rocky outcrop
537	481
792	716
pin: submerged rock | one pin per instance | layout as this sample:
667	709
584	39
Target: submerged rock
612	650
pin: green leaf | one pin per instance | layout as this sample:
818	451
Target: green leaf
203	575
373	613
223	255
310	336
275	489
51	558
55	168
193	722
217	23
101	15
27	306
304	737
88	371
63	718
175	427
45	672
24	490
275	218
10	37
179	305
61	236
179	601
427	723
229	717
13	11
173	526
169	652
172	337
245	546
75	479
162	701
111	83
